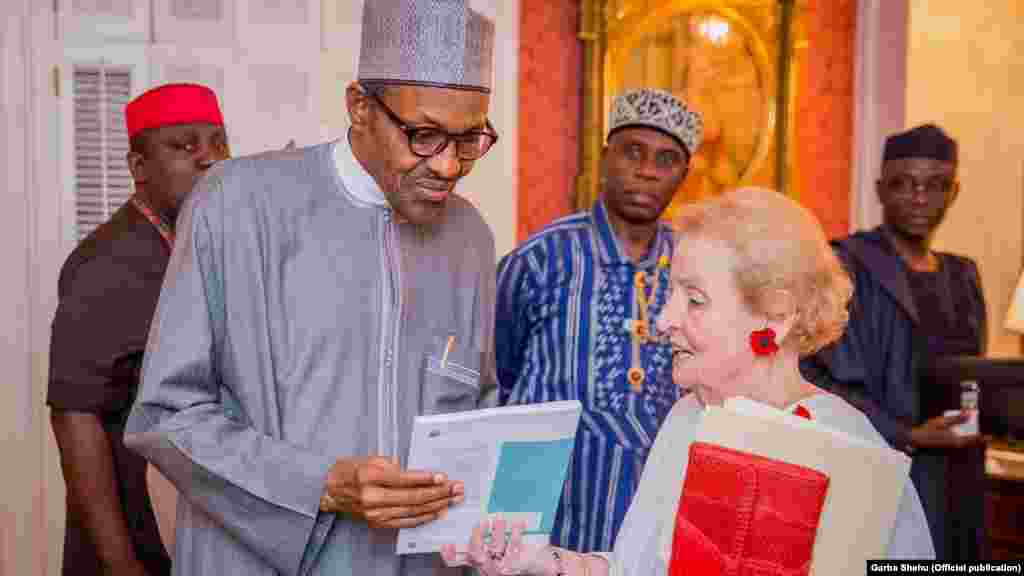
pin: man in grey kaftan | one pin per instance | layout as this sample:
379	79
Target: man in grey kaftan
305	298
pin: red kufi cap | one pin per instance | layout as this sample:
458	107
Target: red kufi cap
172	104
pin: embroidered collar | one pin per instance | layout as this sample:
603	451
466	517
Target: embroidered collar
162	226
610	249
356	179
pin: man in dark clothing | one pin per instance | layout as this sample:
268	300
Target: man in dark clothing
108	291
912	304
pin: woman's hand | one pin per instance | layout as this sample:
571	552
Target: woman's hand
494	553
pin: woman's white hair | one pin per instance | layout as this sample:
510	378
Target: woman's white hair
779	245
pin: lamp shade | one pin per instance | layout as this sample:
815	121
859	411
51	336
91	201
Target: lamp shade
1015	316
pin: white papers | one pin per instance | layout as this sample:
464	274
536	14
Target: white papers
512	460
866	480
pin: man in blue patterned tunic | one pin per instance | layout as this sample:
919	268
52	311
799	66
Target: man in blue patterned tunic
576	309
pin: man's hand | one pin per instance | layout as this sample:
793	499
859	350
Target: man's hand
87	461
379	492
938	432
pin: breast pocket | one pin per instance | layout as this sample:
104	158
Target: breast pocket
451	376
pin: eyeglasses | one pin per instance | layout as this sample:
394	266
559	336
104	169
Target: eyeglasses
664	160
426	142
904	185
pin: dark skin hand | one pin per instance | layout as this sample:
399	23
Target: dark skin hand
379	492
86	459
938	432
641	170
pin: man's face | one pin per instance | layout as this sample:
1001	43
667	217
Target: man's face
643	168
915	194
174	157
416	187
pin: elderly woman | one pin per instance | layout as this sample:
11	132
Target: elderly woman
754	287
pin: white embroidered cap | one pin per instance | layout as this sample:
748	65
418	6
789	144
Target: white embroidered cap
439	43
660	110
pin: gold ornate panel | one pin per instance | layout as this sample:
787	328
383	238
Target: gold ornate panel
735	61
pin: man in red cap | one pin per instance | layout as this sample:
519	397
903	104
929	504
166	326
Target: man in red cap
108	291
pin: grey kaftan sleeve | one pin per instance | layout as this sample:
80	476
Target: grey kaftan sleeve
262	490
488	368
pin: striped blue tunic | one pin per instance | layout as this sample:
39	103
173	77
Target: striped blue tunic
566	302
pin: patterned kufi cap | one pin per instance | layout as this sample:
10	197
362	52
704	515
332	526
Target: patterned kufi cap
659	110
440	43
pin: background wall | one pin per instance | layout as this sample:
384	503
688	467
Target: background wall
963	72
16	423
26	292
824	137
550	100
825	133
879	99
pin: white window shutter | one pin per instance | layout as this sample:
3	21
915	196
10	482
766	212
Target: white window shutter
102	182
94	135
118	87
87	126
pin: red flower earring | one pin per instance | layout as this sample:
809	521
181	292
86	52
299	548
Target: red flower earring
763	343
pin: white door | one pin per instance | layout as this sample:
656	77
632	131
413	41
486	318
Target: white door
88	22
261	56
273	86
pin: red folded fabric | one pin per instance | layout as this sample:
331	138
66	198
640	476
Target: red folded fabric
745	515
